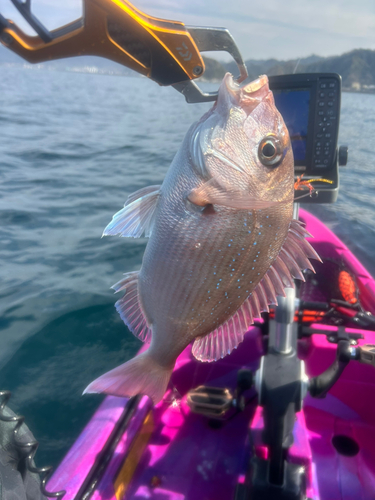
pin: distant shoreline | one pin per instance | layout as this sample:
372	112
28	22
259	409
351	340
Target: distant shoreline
352	91
93	70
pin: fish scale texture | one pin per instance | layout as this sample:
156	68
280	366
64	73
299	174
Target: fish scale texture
201	265
222	241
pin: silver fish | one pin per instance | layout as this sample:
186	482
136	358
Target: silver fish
222	241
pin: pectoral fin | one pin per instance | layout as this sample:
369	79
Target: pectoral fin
214	193
137	215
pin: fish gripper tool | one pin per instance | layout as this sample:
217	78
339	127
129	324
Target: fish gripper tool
167	52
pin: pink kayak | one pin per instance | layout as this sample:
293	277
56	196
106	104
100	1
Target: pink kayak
206	443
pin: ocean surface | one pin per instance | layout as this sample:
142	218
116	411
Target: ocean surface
72	148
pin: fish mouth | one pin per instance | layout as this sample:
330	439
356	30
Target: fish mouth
247	96
260	83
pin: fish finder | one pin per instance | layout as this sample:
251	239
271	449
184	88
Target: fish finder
310	106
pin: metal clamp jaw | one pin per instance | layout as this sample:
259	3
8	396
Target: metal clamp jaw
167	52
211	39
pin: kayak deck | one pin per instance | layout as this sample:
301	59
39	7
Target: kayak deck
169	453
341	427
182	454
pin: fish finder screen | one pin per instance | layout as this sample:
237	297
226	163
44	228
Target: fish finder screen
294	108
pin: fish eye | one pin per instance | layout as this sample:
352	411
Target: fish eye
270	151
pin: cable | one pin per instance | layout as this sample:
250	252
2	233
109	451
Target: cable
43	472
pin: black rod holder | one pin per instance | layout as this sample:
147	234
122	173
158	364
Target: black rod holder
320	385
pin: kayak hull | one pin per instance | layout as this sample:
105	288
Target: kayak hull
132	450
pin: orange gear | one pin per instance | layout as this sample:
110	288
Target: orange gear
347	287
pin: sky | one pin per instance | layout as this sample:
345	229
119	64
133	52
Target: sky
281	29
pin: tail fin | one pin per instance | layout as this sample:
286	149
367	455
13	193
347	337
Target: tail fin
140	375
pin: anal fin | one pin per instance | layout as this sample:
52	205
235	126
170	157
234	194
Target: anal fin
130	309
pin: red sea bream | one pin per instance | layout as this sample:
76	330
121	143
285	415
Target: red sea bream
222	240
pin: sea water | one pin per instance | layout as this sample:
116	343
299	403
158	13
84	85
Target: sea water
73	146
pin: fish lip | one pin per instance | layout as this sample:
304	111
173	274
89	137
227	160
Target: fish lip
246	96
261	83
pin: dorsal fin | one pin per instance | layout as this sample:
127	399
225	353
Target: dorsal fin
227	336
136	217
292	258
130	309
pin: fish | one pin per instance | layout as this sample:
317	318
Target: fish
222	245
